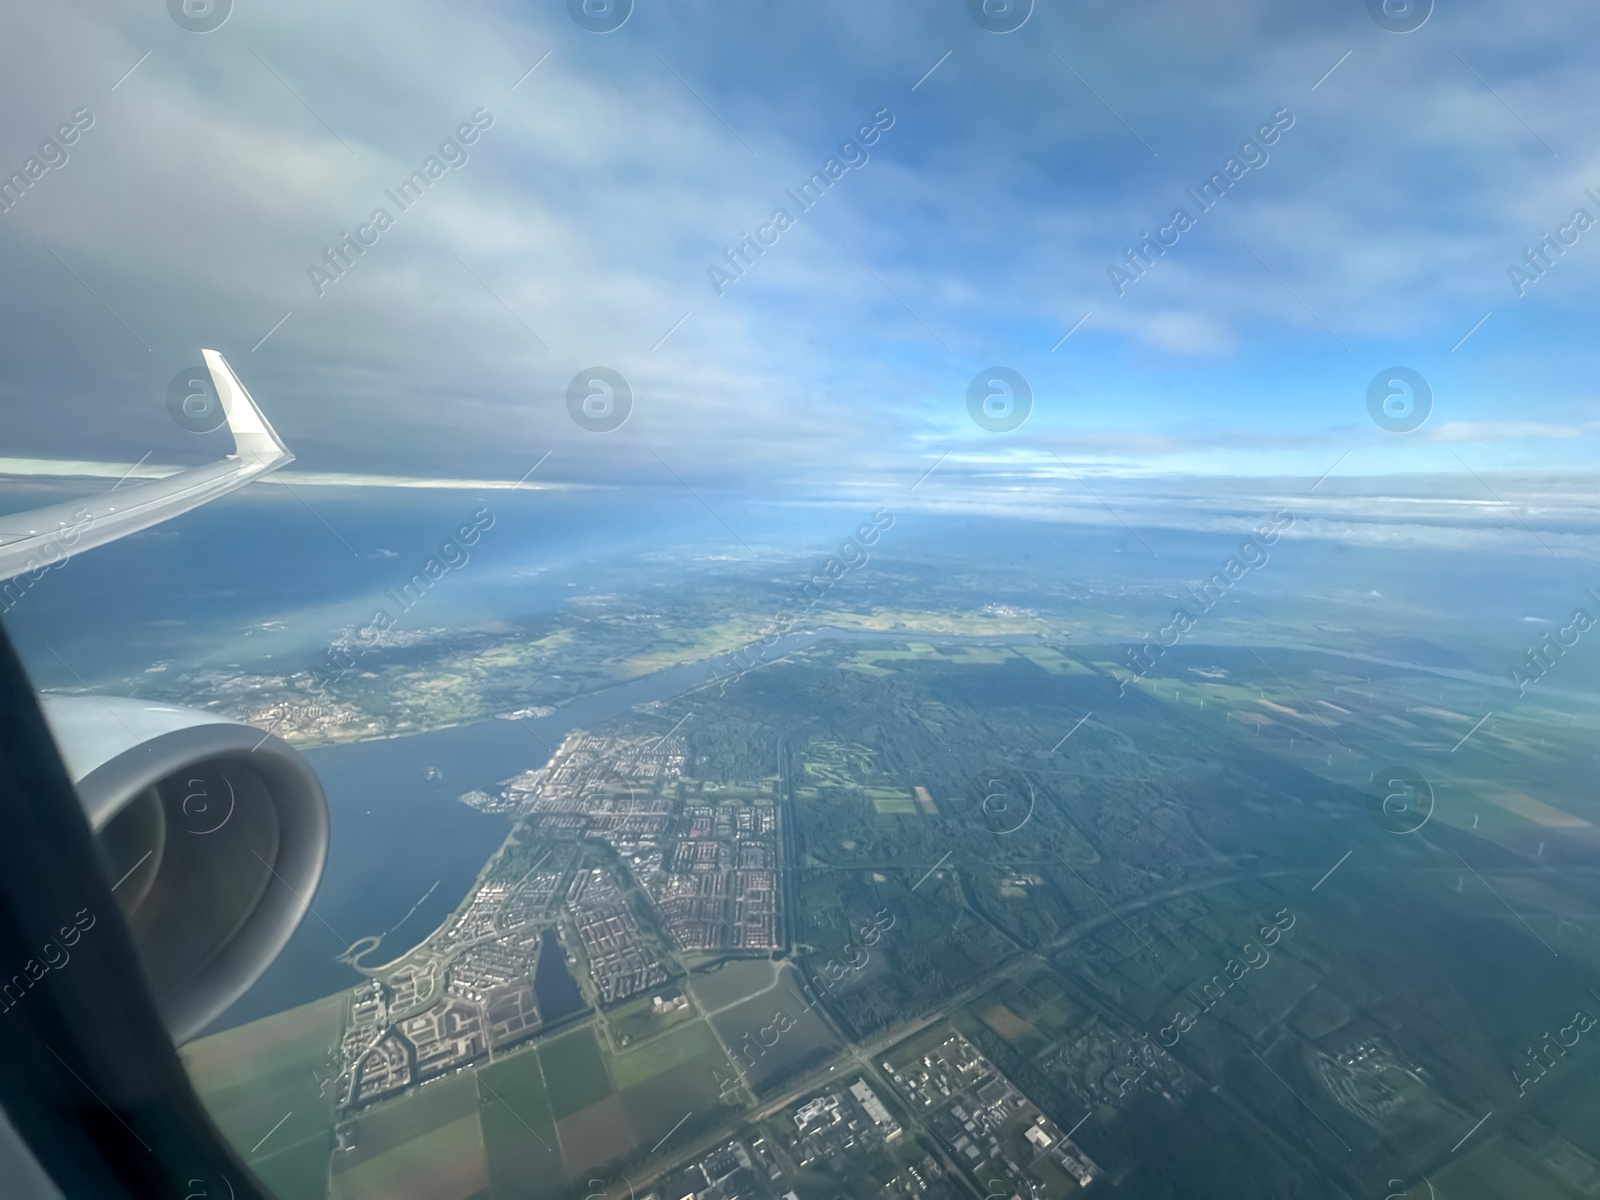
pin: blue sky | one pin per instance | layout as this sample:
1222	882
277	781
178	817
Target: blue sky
580	231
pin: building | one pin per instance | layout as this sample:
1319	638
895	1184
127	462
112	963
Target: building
887	1125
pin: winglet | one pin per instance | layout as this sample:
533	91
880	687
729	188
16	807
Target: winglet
254	439
36	540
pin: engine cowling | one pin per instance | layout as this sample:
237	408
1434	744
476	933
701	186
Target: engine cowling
213	834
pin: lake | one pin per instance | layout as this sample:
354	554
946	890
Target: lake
553	985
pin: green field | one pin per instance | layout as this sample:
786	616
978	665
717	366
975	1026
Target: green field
672	1076
298	1171
639	1019
442	1164
595	1136
840	764
574	1073
394	1123
519	1132
807	1042
893	802
631	1067
731	981
252	1077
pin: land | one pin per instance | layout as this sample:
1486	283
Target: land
1070	925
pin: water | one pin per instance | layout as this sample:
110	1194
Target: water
553	986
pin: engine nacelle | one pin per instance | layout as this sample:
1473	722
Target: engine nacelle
214	835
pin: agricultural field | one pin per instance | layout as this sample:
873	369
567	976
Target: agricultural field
444	1162
640	1019
519	1131
731	981
804	1041
669	1079
420	1146
554	1115
275	1070
574	1072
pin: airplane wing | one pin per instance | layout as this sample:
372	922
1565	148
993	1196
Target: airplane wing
42	537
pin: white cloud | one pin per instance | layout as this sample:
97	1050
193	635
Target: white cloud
986	216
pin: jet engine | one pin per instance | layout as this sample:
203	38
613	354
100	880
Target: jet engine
213	835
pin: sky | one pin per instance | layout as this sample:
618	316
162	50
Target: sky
611	171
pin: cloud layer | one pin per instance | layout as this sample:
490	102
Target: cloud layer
579	229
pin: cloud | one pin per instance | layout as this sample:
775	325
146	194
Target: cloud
1495	431
579	232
